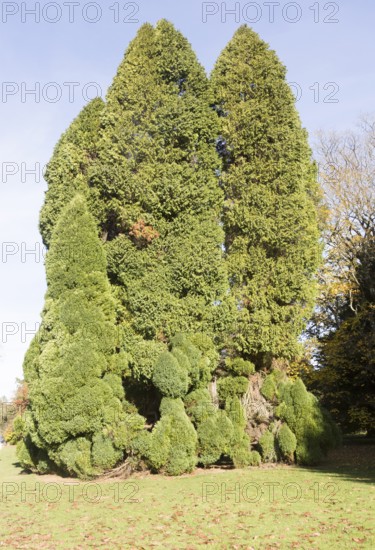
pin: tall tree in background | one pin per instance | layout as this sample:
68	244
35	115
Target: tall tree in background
271	198
344	323
78	420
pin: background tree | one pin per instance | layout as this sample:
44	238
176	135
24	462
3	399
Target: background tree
12	413
344	322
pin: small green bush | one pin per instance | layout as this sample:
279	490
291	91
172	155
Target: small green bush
206	347
240	443
172	446
269	388
314	430
144	356
193	354
75	457
104	454
240	367
199	406
31	458
14	432
214	438
158	446
255	458
231	386
170	377
267	446
201	355
308	452
287	442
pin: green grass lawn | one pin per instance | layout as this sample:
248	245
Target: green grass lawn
276	507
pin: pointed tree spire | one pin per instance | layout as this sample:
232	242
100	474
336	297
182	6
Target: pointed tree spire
66	172
271	199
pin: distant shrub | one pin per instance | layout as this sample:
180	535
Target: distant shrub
255	458
231	386
267	446
14	432
240	367
170	377
287	442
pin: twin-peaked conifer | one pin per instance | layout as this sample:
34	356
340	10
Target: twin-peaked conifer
207	219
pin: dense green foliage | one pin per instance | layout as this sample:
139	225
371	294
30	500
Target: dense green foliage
270	212
269	387
267	446
171	447
78	418
287	442
170	376
314	430
67	171
215	433
240	442
346	377
232	386
203	272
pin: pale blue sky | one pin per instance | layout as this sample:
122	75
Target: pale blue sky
315	52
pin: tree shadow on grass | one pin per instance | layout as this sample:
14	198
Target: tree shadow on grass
354	460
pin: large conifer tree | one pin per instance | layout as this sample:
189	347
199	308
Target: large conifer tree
165	205
271	195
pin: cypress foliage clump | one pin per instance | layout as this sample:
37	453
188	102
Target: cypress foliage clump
312	426
79	421
67	170
271	196
155	177
171	446
287	442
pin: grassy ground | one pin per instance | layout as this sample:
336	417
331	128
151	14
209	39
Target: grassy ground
277	507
